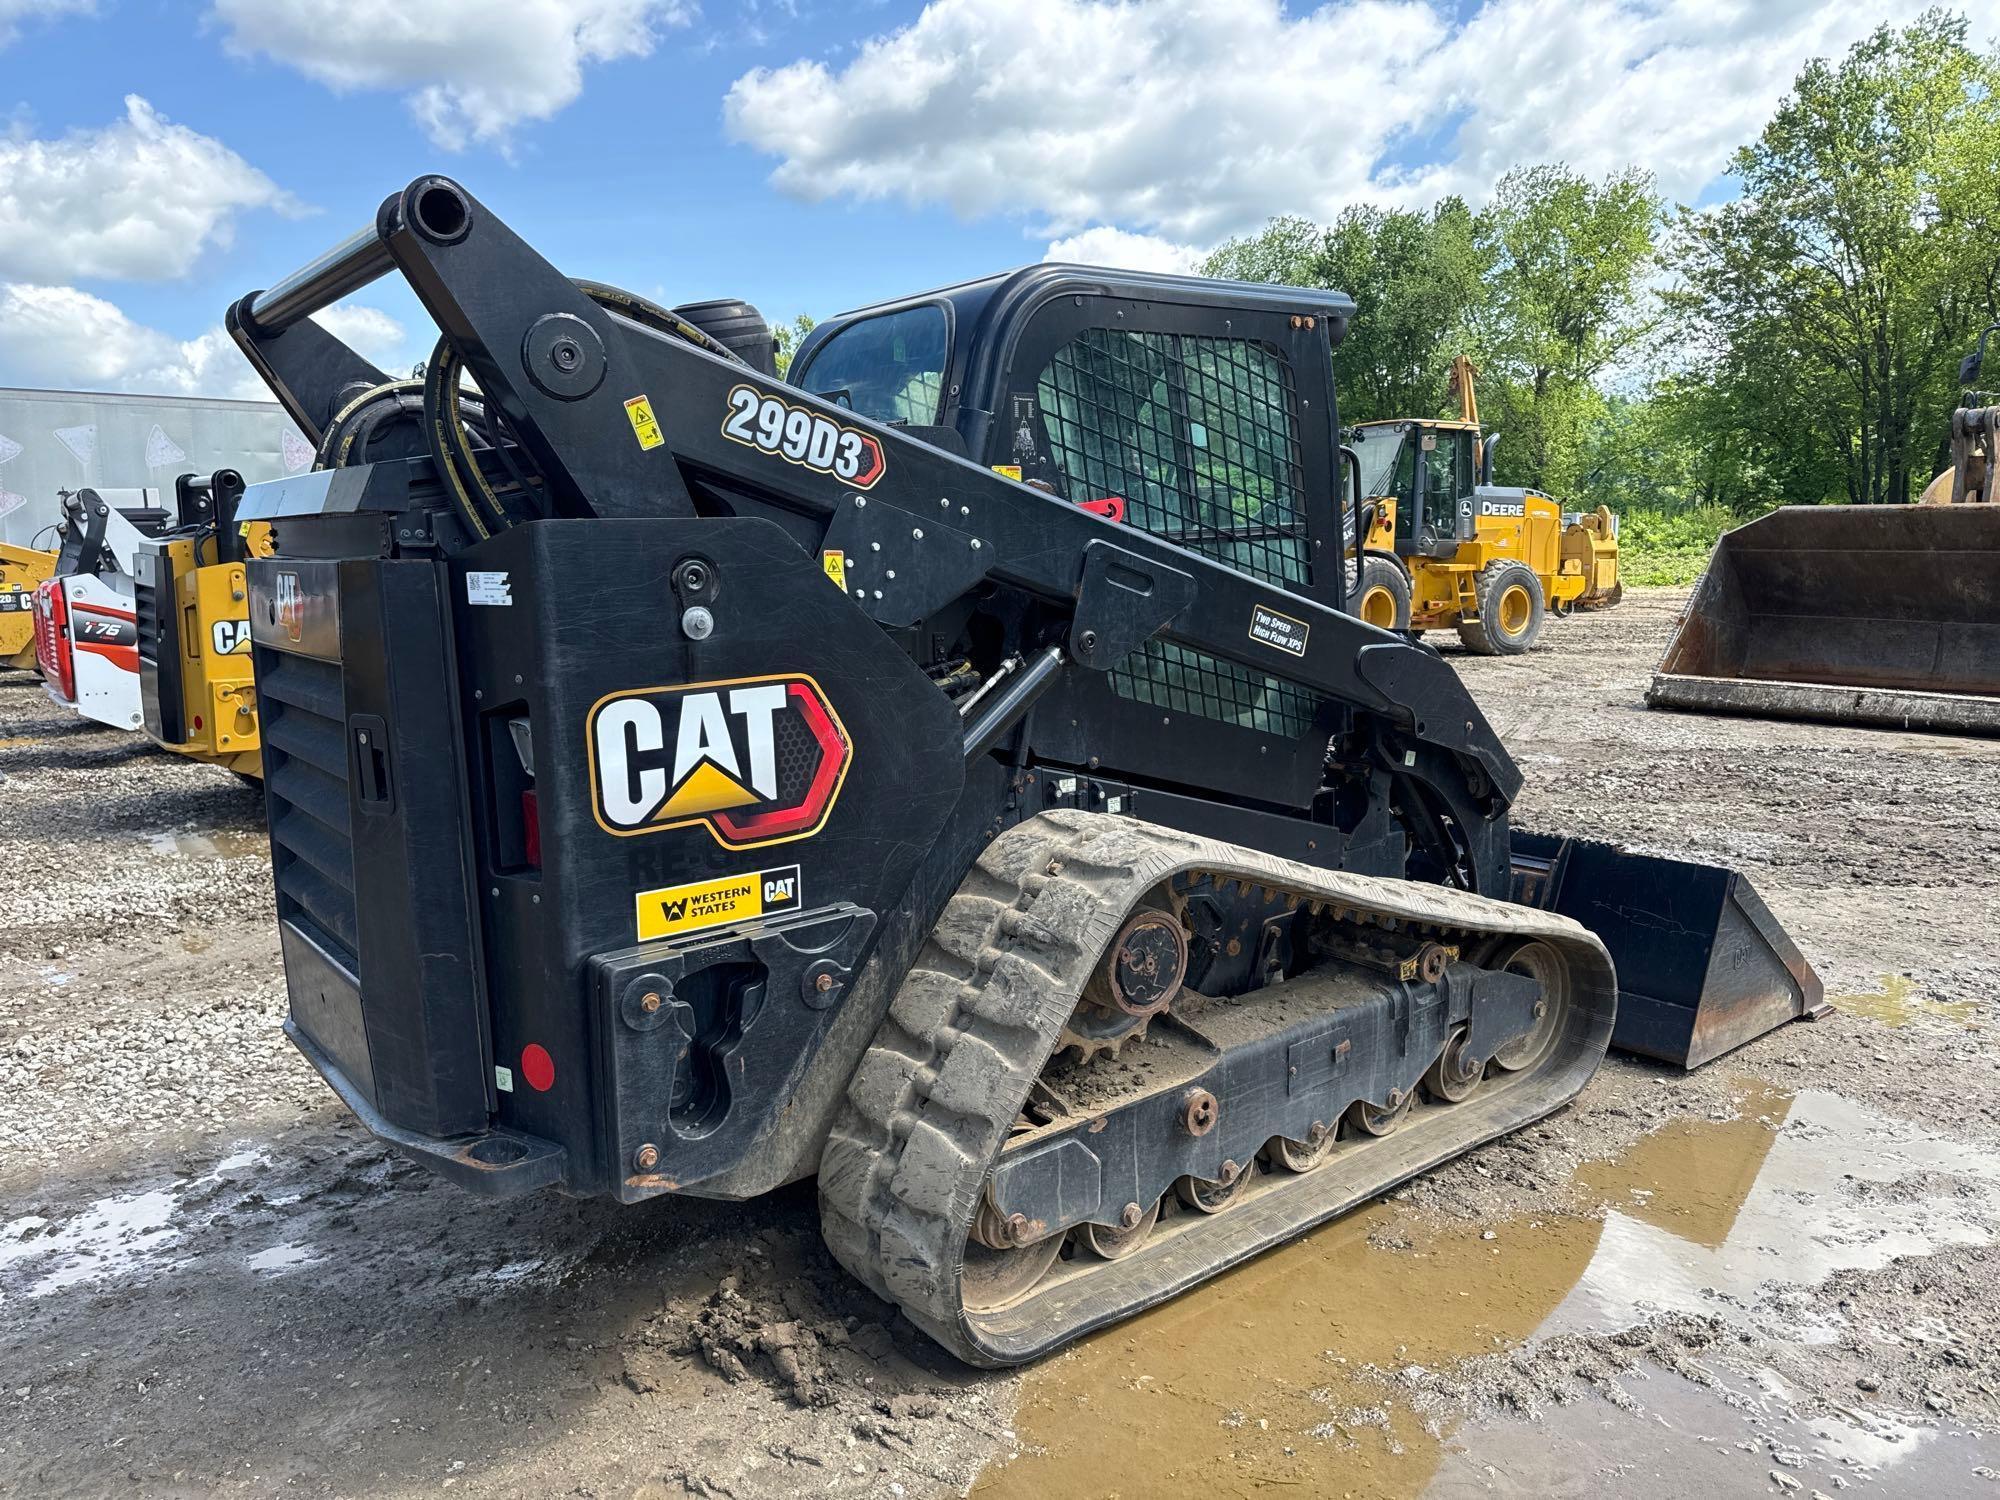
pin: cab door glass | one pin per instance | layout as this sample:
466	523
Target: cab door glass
1443	484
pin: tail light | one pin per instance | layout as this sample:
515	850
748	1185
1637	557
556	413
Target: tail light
52	650
531	829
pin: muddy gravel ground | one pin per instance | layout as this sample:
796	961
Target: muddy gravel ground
1775	1276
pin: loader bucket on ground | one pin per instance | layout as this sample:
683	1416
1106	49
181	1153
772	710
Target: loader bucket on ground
1871	614
1703	966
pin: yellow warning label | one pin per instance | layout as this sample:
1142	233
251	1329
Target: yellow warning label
678	909
644	425
1008	471
835	564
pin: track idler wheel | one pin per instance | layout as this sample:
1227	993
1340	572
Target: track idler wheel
1140	975
1115	1244
1454	1075
1002	1265
1543	964
994	1279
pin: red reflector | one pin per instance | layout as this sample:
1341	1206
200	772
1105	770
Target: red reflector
531	829
197	721
538	1067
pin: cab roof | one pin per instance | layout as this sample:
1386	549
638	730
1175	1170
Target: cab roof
1030	284
985	315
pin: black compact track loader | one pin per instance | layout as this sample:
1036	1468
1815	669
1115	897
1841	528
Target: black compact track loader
954	774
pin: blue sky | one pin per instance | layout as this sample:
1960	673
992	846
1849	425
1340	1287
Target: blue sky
162	156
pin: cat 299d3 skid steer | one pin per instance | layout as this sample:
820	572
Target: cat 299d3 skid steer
685	782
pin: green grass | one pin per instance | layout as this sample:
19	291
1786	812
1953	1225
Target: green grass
1660	547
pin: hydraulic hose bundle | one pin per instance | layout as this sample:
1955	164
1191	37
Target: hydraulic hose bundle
466	437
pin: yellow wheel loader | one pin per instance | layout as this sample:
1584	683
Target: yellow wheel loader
1864	614
191	600
1445	547
22	570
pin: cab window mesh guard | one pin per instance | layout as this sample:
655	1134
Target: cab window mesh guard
1191	682
1198	435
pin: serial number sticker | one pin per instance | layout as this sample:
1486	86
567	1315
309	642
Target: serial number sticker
676	909
645	426
799	435
835	564
1280	632
488	588
1008	471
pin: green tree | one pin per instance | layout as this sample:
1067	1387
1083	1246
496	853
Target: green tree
1566	261
1414	277
790	336
1288	251
1831	300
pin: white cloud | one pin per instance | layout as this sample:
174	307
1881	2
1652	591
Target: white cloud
14	12
139	199
470	72
1103	245
369	332
62	337
1196	119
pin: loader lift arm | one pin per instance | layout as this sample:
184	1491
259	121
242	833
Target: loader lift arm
565	370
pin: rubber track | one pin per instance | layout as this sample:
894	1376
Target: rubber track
975	1020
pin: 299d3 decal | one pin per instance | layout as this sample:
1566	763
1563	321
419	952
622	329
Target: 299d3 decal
805	437
756	760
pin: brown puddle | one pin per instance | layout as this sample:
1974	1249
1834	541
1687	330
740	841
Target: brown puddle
1691	1177
209	845
1250	1381
1255	1382
1898	1003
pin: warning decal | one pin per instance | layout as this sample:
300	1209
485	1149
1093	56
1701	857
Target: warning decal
645	426
676	909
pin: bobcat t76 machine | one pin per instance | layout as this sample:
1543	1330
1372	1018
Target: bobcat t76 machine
86	635
681	781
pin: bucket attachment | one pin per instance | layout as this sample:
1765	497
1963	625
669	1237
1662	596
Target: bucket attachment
1703	966
1866	614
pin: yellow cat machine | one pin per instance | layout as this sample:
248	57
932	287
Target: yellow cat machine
1445	546
191	600
1859	614
22	570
